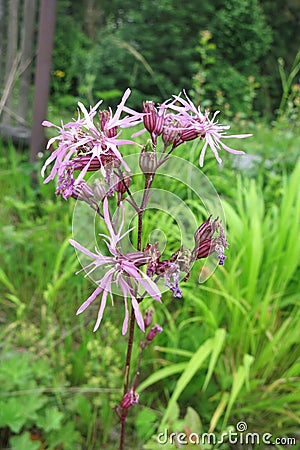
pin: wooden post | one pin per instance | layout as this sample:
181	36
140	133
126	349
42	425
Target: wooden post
27	55
11	52
42	75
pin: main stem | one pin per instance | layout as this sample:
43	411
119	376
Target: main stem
141	210
124	412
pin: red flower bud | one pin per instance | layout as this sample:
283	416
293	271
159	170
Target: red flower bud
157	329
148	317
130	398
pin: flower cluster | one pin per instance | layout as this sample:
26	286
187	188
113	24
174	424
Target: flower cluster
123	270
84	145
92	142
89	145
179	120
206	243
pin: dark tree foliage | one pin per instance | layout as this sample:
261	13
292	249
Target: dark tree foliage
242	37
283	16
104	47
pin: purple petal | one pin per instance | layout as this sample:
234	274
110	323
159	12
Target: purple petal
213	148
89	300
115	119
231	150
45	123
202	154
237	136
82	249
125	322
86	115
137	313
101	310
107	219
142	279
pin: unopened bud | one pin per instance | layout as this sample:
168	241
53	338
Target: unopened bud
171	133
148	317
205	231
150	116
81	162
122	184
157	329
189	134
130	398
148	162
148	159
204	249
105	116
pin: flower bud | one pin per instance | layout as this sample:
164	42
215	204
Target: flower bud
148	159
80	163
148	317
171	133
189	134
204	249
157	329
105	116
123	183
130	398
160	121
206	243
205	231
150	116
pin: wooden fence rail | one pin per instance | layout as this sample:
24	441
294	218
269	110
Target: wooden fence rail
26	44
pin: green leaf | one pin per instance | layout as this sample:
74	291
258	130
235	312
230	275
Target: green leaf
161	375
145	423
23	442
239	378
192	420
218	344
66	436
51	420
11	415
7	283
84	408
190	369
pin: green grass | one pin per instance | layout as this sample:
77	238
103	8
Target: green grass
229	350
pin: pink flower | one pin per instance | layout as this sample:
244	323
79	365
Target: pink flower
194	124
122	270
83	140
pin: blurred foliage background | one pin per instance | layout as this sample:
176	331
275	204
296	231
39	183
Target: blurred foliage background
226	51
230	348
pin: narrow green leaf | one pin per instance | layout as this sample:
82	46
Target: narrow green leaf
239	379
218	412
191	368
218	344
7	283
161	375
